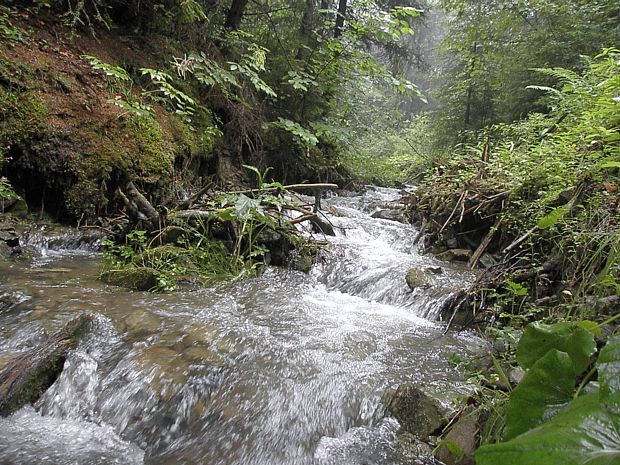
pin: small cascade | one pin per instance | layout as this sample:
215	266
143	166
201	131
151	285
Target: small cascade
371	257
50	241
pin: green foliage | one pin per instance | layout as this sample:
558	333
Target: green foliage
585	433
608	365
8	31
200	254
302	136
493	49
552	170
116	74
568	337
6	191
544	390
550	421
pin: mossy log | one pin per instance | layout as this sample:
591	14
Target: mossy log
24	379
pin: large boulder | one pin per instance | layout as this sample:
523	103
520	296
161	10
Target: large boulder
417	412
26	377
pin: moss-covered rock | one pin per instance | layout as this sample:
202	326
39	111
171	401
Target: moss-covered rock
417	412
24	379
139	279
417	278
455	255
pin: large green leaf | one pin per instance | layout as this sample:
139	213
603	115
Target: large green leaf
245	207
569	337
583	434
546	388
550	219
608	365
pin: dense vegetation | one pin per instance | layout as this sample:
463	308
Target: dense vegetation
512	137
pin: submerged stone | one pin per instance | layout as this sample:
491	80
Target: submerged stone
390	214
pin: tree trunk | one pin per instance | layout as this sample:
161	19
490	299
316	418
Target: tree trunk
307	21
235	14
342	11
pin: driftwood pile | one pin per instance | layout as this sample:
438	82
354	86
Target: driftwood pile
160	221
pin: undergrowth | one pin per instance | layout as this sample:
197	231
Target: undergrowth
544	190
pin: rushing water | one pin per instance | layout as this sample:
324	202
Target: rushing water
282	369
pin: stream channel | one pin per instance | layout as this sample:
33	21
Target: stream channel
285	368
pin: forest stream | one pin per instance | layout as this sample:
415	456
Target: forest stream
284	368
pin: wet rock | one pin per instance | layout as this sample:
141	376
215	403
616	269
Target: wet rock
464	435
199	335
15	206
455	255
8	300
139	279
302	263
417	412
390	214
9	236
170	235
452	243
417	278
487	260
26	377
278	245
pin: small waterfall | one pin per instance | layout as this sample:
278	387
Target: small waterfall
370	257
51	241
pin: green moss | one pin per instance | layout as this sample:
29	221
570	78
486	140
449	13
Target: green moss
153	160
22	117
140	279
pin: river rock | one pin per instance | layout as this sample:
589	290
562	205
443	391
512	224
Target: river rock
199	334
417	278
452	243
455	255
139	279
15	206
487	260
411	450
464	434
278	245
417	412
26	377
390	214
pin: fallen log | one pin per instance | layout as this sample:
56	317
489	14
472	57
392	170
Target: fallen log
140	209
24	379
290	187
321	225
